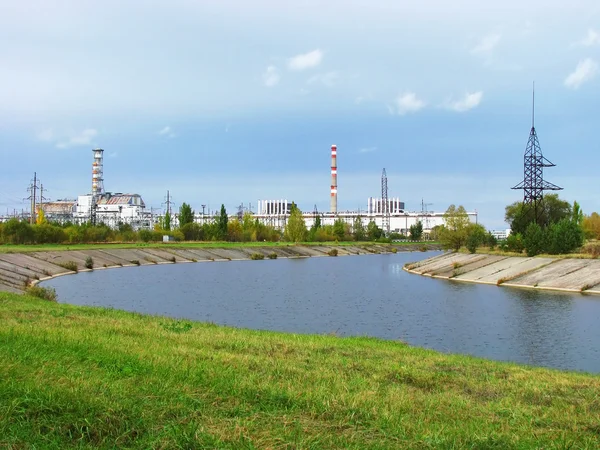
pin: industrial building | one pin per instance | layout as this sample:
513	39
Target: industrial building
113	209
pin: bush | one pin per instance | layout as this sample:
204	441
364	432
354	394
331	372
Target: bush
592	248
333	252
145	235
565	236
257	256
135	262
514	243
42	292
394	250
89	263
534	239
69	265
273	255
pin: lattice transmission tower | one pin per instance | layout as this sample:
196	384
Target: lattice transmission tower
533	184
385	205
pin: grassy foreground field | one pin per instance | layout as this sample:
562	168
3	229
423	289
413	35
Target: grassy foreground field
86	377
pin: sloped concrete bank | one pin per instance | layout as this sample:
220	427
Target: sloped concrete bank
18	270
569	275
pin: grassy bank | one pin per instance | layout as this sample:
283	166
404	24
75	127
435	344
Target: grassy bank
73	376
11	248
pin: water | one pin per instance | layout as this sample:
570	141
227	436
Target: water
358	296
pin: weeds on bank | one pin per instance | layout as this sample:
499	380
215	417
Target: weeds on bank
42	292
69	265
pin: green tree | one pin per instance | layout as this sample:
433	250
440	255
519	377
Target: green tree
191	231
186	214
358	229
476	236
564	236
591	226
295	228
373	231
534	239
339	229
16	231
454	234
551	210
577	214
167	221
222	224
416	231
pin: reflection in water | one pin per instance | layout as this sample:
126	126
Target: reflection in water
367	295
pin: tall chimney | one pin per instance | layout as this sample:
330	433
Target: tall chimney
333	207
97	173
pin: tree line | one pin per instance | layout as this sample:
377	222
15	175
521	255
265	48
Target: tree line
220	228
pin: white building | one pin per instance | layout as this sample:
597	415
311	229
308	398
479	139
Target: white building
400	219
114	209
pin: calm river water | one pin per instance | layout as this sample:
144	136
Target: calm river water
357	296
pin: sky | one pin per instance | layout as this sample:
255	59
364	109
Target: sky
234	101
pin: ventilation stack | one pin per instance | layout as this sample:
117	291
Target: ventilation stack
97	173
333	206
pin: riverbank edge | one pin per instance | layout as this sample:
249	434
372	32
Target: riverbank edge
590	286
18	270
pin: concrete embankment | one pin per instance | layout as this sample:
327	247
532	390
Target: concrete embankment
17	270
570	275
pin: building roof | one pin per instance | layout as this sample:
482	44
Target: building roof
122	199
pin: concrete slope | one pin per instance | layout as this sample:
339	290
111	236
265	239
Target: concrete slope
573	275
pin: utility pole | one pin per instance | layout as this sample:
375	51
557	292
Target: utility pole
33	197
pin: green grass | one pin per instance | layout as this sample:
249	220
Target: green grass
10	248
100	378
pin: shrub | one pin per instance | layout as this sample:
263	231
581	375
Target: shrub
333	252
145	235
394	250
42	292
534	239
257	256
273	255
514	243
172	259
135	262
89	263
69	265
592	248
564	236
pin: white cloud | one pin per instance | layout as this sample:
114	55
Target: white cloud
271	76
469	101
408	103
167	131
80	139
486	46
585	71
592	38
306	60
367	149
328	79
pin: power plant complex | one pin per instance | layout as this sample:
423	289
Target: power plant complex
115	208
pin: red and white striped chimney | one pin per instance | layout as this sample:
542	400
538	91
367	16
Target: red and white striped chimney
333	207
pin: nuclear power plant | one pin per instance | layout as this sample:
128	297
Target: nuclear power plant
116	208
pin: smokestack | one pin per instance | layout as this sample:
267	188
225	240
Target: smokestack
333	207
97	176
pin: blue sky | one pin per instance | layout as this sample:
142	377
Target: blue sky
231	102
